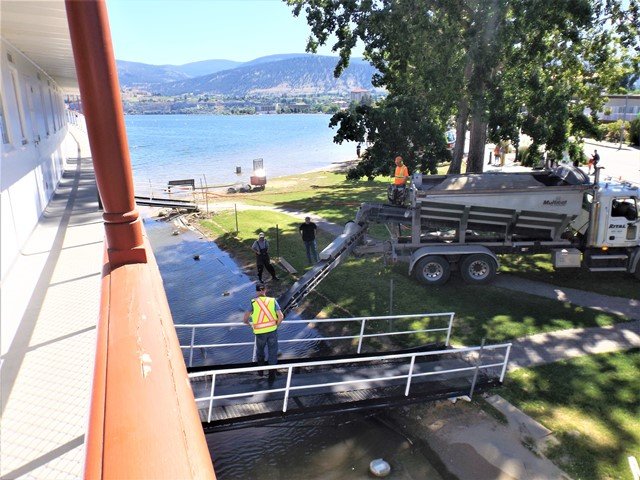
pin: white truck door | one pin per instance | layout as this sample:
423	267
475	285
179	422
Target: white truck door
622	230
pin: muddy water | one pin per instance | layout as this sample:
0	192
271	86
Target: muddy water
214	289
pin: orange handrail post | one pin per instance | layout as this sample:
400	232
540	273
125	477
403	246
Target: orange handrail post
102	104
143	420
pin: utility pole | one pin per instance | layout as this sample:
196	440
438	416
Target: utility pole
624	118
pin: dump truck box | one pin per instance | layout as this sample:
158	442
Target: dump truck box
508	206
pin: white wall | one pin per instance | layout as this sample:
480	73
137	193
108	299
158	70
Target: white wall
32	161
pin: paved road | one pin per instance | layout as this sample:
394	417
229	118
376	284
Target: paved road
619	163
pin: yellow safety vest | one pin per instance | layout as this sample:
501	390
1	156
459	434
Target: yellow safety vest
263	315
400	174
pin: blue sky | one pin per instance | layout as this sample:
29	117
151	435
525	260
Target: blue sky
183	31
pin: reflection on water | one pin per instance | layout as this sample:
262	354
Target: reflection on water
328	448
212	290
338	447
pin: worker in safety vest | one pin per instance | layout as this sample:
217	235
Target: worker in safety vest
400	177
265	316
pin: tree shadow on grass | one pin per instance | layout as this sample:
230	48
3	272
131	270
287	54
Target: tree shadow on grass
602	394
362	286
337	203
539	267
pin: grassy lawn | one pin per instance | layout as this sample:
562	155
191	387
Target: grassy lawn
592	404
539	267
361	287
336	199
327	194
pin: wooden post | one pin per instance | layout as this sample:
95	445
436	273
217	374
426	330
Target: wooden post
235	207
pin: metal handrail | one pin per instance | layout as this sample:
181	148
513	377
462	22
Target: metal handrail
361	336
163	190
300	365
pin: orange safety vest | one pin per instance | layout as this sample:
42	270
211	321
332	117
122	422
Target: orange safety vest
401	173
263	315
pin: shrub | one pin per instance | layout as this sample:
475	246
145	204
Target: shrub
611	131
576	153
634	131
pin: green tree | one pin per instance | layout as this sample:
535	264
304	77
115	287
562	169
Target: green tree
498	66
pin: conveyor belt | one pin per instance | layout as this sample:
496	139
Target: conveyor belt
340	249
331	257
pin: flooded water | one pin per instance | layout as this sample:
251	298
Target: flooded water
338	447
212	290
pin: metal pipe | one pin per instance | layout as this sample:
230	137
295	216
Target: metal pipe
477	370
102	105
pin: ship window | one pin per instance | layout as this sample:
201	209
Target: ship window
16	93
3	122
44	112
53	113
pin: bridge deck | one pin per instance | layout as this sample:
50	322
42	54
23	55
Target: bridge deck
166	202
249	399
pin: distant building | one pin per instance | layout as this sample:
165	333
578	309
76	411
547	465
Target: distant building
267	108
300	107
619	107
360	95
342	105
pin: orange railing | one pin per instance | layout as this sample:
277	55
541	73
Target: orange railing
143	421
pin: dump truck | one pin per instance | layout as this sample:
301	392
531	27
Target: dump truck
463	222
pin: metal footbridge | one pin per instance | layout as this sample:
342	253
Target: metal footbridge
178	194
166	203
366	373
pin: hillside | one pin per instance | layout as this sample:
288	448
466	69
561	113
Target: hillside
308	74
134	73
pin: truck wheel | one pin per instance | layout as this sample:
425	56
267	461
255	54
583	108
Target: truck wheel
478	269
432	270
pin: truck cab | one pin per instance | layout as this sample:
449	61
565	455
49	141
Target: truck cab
616	217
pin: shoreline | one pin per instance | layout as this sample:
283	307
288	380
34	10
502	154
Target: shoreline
338	166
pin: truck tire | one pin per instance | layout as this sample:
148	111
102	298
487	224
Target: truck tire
432	270
477	269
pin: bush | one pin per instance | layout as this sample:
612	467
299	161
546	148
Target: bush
611	131
523	155
576	153
634	131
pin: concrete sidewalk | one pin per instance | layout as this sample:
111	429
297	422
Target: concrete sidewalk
565	344
47	366
626	307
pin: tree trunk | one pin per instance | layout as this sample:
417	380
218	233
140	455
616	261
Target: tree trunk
477	142
461	133
461	124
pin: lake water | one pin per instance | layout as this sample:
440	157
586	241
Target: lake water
169	147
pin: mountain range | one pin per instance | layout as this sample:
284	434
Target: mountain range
293	74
